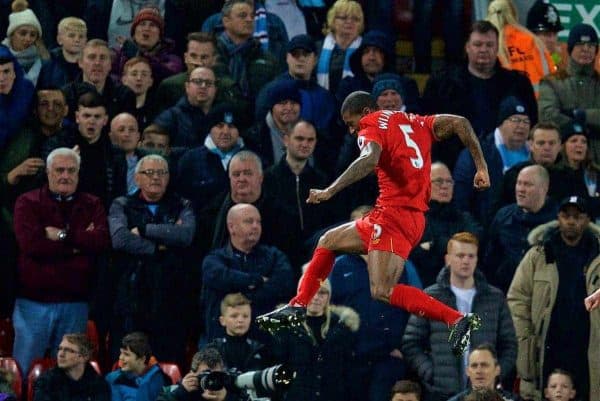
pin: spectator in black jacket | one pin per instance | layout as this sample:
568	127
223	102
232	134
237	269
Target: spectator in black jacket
474	90
95	67
202	171
74	379
461	286
261	272
442	221
507	236
63	68
151	231
289	182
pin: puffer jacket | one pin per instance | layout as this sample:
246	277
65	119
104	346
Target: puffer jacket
425	343
531	298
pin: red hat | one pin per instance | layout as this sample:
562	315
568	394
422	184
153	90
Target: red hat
148	14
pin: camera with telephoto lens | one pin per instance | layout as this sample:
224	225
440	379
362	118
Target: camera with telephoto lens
265	381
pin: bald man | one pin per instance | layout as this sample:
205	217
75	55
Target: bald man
507	240
261	272
125	134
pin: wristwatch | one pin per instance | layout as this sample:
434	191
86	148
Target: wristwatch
62	235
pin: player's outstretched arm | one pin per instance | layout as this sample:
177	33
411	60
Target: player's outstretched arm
359	168
446	125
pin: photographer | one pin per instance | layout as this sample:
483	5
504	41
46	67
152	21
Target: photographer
190	389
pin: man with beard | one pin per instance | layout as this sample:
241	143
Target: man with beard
549	289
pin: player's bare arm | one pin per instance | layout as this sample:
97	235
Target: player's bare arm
360	168
447	125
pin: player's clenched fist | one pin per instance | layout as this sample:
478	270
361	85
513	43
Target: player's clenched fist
481	180
318	196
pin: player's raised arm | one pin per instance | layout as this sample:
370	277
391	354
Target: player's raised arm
359	168
446	125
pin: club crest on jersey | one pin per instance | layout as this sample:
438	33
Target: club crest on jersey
376	236
361	142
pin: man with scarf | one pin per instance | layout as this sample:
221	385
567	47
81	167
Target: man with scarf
250	65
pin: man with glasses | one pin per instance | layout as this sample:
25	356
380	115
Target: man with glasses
151	231
73	379
442	221
201	51
574	94
61	232
502	148
185	121
21	170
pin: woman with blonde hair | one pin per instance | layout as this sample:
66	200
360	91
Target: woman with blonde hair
320	351
519	48
24	39
345	24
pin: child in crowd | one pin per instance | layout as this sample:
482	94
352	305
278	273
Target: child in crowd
406	390
239	351
63	66
560	386
139	377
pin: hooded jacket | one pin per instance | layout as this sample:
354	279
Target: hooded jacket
531	298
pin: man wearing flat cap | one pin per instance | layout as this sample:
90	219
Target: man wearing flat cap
574	94
546	299
503	148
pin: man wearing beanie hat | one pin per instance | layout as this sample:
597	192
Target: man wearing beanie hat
202	171
503	148
147	40
266	136
574	94
547	297
403	87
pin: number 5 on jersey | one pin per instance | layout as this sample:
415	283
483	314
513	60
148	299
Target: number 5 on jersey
417	162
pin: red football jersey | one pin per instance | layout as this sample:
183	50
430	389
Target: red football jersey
405	163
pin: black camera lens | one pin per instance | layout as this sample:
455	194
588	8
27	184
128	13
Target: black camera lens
213	381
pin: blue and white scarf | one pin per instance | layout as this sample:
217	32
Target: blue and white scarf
325	58
260	26
224	156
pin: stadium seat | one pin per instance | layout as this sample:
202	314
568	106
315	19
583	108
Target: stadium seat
37	367
11	366
92	334
171	370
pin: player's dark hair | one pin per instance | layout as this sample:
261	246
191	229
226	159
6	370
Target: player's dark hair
357	101
546	125
487	347
209	356
138	343
483	27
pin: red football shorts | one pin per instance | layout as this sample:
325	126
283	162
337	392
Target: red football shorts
392	229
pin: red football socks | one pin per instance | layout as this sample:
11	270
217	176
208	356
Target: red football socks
318	269
419	303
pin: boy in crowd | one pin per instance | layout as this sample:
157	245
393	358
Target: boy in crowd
138	377
406	390
237	349
559	386
63	67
